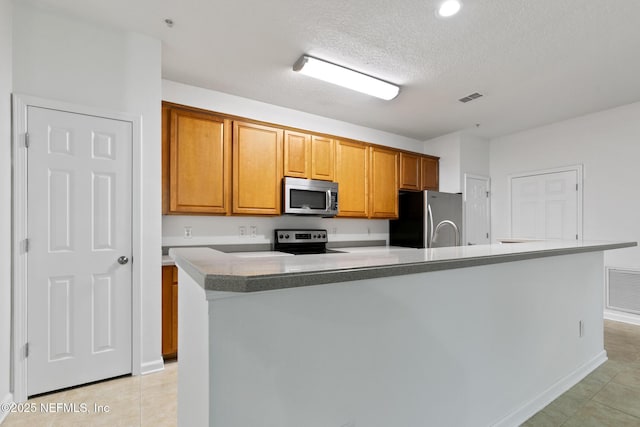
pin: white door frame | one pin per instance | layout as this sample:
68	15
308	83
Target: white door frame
464	205
19	318
579	169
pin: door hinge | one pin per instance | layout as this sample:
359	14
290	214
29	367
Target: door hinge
576	187
26	245
26	140
576	237
487	235
487	194
26	350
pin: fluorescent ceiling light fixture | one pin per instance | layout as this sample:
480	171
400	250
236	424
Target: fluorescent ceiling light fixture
345	77
449	8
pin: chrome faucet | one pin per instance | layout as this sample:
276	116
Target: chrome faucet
445	222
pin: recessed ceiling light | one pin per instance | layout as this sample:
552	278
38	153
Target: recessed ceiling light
449	8
345	77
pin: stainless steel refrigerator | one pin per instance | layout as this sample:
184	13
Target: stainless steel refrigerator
427	219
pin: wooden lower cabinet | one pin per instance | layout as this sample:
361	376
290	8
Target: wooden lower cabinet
169	311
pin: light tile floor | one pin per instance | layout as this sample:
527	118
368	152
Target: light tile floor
608	397
148	401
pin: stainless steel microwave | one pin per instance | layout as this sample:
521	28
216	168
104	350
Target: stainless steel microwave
309	197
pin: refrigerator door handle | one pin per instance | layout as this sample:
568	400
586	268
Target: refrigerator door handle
430	231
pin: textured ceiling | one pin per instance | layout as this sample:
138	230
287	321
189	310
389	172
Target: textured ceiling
535	61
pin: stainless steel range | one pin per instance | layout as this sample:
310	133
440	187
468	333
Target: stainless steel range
301	242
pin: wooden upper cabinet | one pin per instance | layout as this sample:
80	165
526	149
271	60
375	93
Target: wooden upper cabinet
352	175
166	134
410	176
430	173
257	168
297	154
218	164
322	158
307	156
384	183
197	159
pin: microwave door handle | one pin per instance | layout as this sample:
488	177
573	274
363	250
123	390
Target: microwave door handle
328	208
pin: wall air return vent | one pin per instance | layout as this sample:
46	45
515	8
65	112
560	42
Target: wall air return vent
623	290
471	97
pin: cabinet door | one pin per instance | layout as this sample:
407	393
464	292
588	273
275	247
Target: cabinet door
297	154
410	172
352	175
384	183
166	135
257	169
169	311
430	173
199	162
322	158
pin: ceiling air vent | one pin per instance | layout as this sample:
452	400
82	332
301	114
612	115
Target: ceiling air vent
471	97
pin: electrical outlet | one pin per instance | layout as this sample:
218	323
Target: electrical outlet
243	231
254	231
188	232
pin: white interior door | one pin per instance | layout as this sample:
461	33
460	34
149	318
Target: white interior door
477	210
79	224
545	205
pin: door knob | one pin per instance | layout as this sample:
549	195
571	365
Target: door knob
123	260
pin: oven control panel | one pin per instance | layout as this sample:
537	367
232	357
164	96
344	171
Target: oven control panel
300	236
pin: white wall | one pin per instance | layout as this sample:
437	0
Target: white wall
459	153
249	108
5	198
224	230
61	58
608	145
474	156
207	230
447	147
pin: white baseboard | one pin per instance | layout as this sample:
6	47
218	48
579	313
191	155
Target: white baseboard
530	408
618	316
6	399
151	367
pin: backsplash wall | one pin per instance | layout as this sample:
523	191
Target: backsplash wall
224	230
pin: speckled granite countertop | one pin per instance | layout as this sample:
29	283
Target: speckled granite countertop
218	271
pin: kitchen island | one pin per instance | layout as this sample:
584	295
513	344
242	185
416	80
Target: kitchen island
464	336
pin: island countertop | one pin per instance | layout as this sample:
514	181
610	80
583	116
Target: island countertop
229	272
